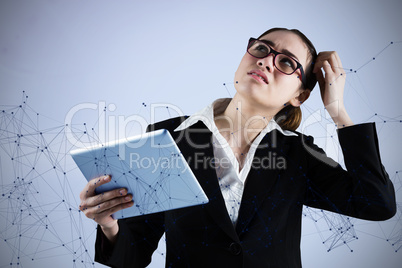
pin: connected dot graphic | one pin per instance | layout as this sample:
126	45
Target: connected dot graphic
40	220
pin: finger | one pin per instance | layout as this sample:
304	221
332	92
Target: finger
112	203
103	197
92	211
341	70
327	68
320	78
338	60
317	63
322	85
332	63
336	63
98	217
332	57
114	209
89	189
321	58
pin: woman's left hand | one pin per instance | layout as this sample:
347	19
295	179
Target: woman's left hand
332	85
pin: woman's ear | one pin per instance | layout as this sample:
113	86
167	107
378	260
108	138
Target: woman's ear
302	97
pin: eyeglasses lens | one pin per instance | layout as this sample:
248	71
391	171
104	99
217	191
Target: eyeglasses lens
283	62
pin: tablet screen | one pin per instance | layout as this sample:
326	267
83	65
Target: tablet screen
150	166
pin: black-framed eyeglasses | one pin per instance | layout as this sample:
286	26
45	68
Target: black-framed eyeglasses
284	63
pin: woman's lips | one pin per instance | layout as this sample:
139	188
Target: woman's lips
258	75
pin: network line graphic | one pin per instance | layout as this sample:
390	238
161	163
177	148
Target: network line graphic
39	216
40	222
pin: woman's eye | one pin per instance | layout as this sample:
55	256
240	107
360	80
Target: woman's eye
288	62
262	48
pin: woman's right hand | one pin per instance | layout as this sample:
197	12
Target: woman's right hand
101	207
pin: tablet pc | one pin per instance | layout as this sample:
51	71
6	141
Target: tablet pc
150	166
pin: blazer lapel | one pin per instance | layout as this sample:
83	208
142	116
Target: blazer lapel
195	144
262	177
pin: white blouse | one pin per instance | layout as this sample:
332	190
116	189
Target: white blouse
231	179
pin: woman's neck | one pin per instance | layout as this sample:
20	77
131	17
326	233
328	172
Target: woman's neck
241	122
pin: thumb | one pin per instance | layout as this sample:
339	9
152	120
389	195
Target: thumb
320	78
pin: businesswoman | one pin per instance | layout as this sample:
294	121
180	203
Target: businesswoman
263	170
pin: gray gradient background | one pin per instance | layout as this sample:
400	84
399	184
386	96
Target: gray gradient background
64	53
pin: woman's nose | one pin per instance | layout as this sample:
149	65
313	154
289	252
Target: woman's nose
268	62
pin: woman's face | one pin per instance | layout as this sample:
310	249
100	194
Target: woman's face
279	89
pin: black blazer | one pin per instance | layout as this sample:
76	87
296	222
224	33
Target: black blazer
268	230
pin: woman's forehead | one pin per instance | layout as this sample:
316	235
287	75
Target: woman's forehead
288	41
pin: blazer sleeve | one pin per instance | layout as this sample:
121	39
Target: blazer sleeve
364	190
137	239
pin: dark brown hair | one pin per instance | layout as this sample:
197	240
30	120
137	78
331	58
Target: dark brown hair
289	118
